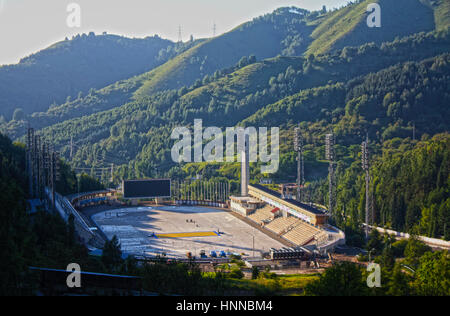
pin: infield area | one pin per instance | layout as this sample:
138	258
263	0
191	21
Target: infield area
178	230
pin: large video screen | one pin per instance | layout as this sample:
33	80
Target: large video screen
146	189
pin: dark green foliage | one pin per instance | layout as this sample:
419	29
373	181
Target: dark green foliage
14	225
56	245
255	273
343	279
71	183
411	182
40	240
399	248
414	250
375	243
387	90
432	278
112	255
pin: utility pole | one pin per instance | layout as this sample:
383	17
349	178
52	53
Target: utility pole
366	168
298	147
253	247
331	156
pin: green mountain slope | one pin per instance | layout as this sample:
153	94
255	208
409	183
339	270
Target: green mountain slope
348	26
139	131
383	103
287	31
441	13
73	66
284	32
246	90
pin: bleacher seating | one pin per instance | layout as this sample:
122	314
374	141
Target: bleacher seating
302	233
291	228
281	224
262	215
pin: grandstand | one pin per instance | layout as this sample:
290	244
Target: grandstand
295	222
302	233
262	216
91	198
281	224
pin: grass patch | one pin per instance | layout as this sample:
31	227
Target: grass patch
280	285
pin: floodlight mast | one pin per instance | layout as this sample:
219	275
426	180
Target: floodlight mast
366	167
330	154
298	148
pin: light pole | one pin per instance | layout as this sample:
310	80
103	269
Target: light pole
253	244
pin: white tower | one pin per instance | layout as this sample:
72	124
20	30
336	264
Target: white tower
245	166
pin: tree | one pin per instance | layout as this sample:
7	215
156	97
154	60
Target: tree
398	284
414	250
112	255
255	273
375	242
343	279
18	115
432	278
243	62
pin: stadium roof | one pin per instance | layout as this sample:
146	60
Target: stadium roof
276	194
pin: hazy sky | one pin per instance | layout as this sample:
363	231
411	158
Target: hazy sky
27	26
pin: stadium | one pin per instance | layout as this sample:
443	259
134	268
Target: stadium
183	220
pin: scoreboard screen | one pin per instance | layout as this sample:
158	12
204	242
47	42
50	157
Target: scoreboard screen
146	189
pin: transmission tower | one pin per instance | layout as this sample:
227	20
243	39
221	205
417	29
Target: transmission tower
42	165
298	147
39	168
366	167
214	29
180	35
330	154
29	161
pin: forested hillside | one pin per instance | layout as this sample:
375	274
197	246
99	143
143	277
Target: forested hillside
41	239
67	66
348	26
325	70
410	184
69	69
13	221
135	128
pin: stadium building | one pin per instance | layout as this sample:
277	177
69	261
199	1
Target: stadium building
297	223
